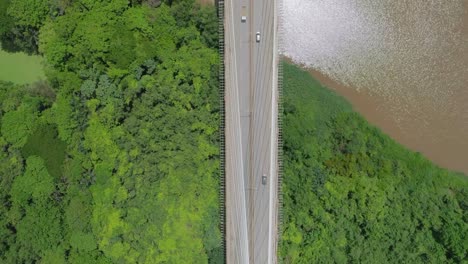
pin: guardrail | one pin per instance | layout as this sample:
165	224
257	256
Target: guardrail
280	127
222	154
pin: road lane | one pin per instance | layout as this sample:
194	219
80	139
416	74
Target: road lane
236	215
252	86
264	135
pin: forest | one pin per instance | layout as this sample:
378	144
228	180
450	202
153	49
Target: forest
353	195
114	157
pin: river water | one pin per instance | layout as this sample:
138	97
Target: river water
403	64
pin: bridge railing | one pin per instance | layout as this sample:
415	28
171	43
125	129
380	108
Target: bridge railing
222	154
279	13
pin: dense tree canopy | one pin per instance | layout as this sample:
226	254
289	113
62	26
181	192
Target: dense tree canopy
115	158
20	21
352	195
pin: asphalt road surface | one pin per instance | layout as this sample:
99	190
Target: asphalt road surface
251	131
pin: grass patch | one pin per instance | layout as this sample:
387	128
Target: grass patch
45	144
20	68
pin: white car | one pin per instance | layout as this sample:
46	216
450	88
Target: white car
257	37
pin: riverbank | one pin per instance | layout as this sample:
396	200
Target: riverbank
449	151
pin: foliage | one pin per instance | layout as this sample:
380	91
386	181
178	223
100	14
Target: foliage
19	24
33	215
28	12
44	143
121	142
18	124
352	195
6	21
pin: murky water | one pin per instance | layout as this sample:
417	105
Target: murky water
408	58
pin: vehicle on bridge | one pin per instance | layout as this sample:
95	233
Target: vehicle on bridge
264	179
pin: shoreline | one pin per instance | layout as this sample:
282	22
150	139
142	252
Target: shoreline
447	152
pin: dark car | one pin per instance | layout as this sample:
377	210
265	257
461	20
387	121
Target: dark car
264	179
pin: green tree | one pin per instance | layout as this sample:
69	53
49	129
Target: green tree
20	25
36	231
19	124
6	21
28	13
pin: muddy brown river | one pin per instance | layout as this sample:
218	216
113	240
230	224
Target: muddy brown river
403	64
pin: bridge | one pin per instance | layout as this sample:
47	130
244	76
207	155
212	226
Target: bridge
251	134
